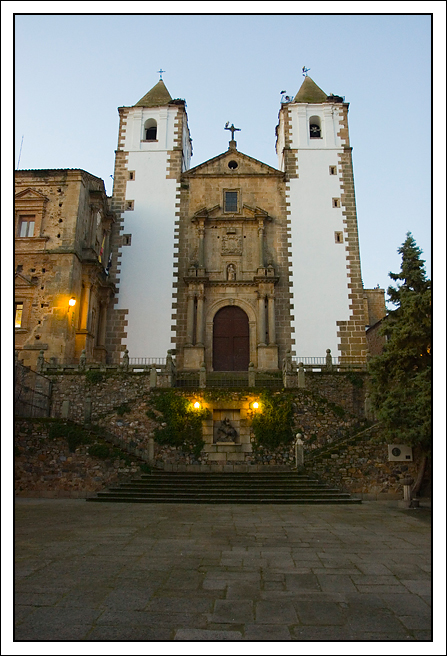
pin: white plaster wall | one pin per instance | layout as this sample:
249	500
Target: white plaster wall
319	273
147	266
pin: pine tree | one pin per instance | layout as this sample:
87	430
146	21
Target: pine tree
401	375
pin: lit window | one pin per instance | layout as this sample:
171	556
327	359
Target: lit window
18	314
26	227
231	201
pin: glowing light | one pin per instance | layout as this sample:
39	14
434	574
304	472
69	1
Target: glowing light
256	405
72	302
197	405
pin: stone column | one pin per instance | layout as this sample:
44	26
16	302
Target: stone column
199	336
85	311
261	243
190	319
271	319
201	231
261	319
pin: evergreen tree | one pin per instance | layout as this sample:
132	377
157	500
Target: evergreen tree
401	375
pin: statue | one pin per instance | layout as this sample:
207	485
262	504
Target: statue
231	272
226	432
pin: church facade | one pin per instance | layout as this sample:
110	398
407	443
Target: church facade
266	260
230	265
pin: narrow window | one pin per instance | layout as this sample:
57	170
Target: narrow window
129	205
336	202
26	227
231	201
127	240
150	130
332	170
338	237
18	314
315	127
131	175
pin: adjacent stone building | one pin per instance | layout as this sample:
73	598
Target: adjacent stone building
62	256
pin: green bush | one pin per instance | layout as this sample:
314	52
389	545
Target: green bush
94	377
99	451
122	409
183	423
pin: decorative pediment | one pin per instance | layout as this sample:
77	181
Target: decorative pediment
231	164
216	214
31	194
21	281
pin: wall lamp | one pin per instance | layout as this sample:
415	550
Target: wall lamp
72	301
255	405
196	405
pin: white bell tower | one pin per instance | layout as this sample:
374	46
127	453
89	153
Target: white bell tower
154	147
314	152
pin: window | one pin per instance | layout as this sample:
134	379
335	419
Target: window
336	202
127	240
129	205
315	127
18	309
230	201
26	226
131	175
338	237
332	170
150	130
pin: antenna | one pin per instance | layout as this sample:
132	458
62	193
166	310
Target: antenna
20	152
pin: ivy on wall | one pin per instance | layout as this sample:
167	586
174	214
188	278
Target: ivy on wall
273	423
180	422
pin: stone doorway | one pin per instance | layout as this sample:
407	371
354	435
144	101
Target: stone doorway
231	344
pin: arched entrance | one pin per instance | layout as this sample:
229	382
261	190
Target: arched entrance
231	347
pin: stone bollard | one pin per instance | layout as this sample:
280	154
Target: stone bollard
301	375
408	502
251	375
150	449
125	362
202	375
299	452
153	376
87	410
82	361
65	409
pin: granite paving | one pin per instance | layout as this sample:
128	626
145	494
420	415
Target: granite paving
185	572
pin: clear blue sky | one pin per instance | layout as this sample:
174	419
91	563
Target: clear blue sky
73	71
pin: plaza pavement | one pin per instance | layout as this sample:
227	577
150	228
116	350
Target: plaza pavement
87	571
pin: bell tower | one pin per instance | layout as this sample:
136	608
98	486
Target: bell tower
314	152
154	148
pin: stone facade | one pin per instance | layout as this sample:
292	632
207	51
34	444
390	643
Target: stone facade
63	226
236	257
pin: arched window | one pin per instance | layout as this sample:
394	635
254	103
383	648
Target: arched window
315	127
150	130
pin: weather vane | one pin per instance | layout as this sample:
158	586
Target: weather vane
161	73
305	71
232	128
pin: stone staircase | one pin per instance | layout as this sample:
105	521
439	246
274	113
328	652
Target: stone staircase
217	487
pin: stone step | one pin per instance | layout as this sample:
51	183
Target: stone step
259	487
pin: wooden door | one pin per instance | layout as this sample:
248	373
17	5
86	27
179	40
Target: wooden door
231	344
